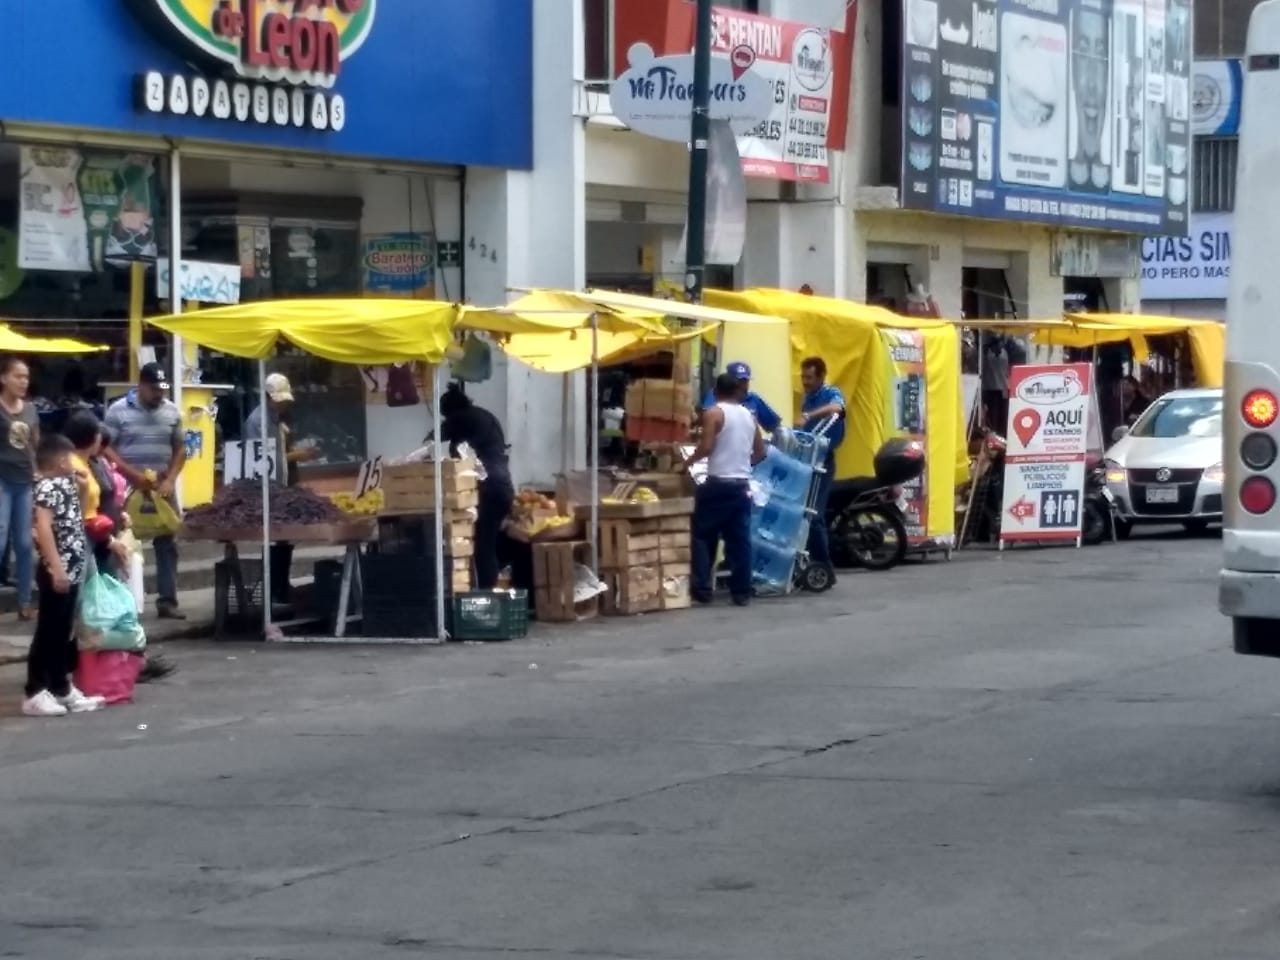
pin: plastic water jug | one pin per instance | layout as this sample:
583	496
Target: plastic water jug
771	563
778	521
783	477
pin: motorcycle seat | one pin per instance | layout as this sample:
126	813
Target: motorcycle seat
854	486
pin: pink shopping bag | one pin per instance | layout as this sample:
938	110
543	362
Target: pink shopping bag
108	673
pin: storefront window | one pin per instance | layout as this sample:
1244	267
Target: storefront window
73	221
281	255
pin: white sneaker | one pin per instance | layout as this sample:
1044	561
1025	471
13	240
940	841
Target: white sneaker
77	702
43	704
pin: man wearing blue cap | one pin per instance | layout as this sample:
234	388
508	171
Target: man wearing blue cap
759	408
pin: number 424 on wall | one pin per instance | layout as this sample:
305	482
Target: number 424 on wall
484	251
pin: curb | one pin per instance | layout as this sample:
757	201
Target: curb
193	630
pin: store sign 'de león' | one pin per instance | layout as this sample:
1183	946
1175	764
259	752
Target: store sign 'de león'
285	54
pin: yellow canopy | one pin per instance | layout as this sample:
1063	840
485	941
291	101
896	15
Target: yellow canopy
568	350
543	311
850	337
701	313
11	341
366	332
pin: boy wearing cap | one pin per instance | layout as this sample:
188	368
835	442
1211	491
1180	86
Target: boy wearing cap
758	407
150	450
269	420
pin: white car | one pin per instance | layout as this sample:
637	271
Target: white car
1167	468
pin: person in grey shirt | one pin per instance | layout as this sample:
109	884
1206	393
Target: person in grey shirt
269	421
19	434
150	450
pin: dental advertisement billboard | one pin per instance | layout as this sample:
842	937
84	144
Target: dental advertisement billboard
1068	112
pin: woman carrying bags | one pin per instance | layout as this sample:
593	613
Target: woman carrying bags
19	434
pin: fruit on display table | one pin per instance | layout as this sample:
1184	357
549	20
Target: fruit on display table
239	505
368	504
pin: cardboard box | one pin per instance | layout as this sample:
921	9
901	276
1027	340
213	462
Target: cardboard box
660	400
675	587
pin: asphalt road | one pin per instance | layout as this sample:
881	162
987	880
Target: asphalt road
1038	755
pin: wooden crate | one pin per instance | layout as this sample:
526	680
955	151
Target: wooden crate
632	591
460	574
622	545
410	487
553	579
678	511
675	548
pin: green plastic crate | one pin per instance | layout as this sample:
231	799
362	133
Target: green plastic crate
490	615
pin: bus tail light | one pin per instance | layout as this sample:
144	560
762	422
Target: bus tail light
1260	409
1257	495
1258	451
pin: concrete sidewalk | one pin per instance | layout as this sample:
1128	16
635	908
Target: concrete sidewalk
15	635
195	569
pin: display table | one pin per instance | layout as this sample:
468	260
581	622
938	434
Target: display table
350	536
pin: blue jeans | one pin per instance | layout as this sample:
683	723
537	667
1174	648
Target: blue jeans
166	570
722	510
16	518
819	542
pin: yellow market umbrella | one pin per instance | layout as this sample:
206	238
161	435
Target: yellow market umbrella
11	341
369	332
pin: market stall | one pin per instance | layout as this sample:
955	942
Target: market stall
900	379
649	511
363	332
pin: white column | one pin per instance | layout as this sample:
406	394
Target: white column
532	227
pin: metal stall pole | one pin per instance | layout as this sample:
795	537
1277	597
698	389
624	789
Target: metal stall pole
699	134
175	285
593	438
266	510
442	634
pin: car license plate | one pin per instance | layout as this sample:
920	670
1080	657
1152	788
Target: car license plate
1108	496
1162	494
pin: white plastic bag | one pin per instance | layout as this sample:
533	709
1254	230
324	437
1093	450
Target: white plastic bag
137	580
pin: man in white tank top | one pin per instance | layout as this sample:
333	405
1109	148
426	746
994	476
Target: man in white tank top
731	445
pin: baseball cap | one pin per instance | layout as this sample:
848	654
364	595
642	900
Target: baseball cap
278	388
738	370
155	375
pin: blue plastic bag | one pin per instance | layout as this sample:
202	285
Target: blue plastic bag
108	616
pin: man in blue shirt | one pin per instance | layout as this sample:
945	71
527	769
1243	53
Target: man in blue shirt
821	401
765	415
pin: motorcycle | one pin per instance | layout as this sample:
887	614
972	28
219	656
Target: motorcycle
1098	522
1100	512
865	515
989	510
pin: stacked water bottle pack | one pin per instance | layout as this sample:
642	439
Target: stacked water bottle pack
779	522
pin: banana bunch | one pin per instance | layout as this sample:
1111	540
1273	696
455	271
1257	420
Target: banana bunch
548	523
369	505
644	495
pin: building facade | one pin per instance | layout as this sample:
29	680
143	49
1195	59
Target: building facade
930	178
1188	276
338	148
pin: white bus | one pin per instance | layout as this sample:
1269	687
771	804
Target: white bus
1249	586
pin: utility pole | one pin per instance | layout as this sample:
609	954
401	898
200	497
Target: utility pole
700	131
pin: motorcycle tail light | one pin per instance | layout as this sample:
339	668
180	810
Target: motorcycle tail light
1257	495
1260	409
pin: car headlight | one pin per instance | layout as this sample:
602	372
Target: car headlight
1214	473
1115	472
